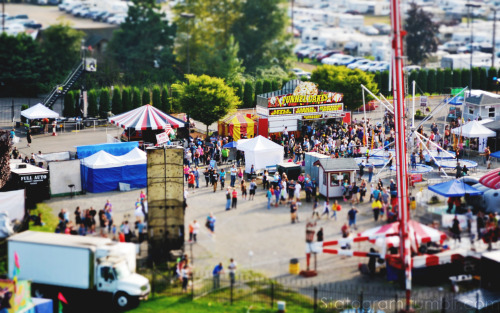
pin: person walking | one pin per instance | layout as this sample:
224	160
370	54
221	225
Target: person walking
191	180
269	196
196	177
196	229
243	189
28	137
210	224
455	229
215	178
370	167
326	209
228	199
185	278
376	207
351	214
293	212
234	198
234	171
253	188
206	173
222	175
335	207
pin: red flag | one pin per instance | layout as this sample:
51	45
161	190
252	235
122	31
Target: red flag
61	298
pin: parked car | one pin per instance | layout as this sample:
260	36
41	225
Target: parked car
380	67
383	29
304	53
468	48
100	16
369	30
366	66
117	19
410	68
358	63
451	46
326	54
331	60
345	60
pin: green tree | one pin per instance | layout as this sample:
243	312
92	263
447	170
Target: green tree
448	79
146	96
378	80
92	109
492	73
439	81
104	100
412	77
258	89
136	97
157	97
143	45
476	78
126	99
260	29
422	81
61	46
275	85
384	83
69	104
266	86
346	81
248	95
483	79
116	101
457	78
466	78
431	81
206	99
22	66
238	89
165	100
422	34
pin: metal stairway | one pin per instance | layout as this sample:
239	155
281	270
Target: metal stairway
62	89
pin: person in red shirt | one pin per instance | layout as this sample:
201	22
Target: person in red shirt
191	181
235	198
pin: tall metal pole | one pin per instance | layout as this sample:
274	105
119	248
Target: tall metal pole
400	140
471	6
493	39
3	16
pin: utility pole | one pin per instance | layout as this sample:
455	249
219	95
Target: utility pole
493	40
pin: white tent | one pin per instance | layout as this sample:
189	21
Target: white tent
102	159
39	111
474	129
135	156
261	152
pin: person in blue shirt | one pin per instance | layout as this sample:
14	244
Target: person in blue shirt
413	160
218	270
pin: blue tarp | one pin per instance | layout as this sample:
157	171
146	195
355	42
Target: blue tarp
118	148
495	154
456	100
231	144
97	180
455	188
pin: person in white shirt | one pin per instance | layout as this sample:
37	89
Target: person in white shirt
196	228
232	270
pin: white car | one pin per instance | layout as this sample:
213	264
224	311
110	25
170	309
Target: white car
331	60
369	30
358	63
380	67
410	68
345	60
117	19
366	66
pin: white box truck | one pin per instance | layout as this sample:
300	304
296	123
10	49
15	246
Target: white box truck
77	264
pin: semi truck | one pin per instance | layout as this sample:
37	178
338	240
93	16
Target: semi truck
80	267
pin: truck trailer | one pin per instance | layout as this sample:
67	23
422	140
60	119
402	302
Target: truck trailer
77	266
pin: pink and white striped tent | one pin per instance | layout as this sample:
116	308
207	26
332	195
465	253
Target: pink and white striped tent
146	117
389	233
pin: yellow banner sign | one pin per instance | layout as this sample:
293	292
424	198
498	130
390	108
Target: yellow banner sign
312	117
301	110
330	108
281	112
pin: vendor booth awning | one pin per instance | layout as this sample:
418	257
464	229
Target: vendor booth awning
115	148
495	154
238	126
146	117
419	234
455	188
473	129
491	179
261	152
39	111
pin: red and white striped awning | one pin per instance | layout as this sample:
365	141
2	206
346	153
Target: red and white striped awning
418	234
146	117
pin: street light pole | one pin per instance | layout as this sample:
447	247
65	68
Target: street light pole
188	16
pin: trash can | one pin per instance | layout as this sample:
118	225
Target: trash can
294	267
281	306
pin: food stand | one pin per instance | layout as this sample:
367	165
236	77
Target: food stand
332	172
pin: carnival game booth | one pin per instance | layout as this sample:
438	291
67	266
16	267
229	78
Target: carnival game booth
103	172
115	148
474	129
238	126
298	104
39	117
261	153
144	123
332	173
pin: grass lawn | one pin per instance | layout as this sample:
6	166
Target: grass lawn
176	304
48	218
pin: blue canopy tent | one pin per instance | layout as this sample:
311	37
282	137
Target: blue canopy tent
455	188
495	154
115	148
231	144
103	172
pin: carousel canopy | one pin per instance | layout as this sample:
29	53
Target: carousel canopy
39	111
455	188
491	179
146	117
473	129
419	234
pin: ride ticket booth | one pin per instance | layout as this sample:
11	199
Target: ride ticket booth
332	173
297	106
